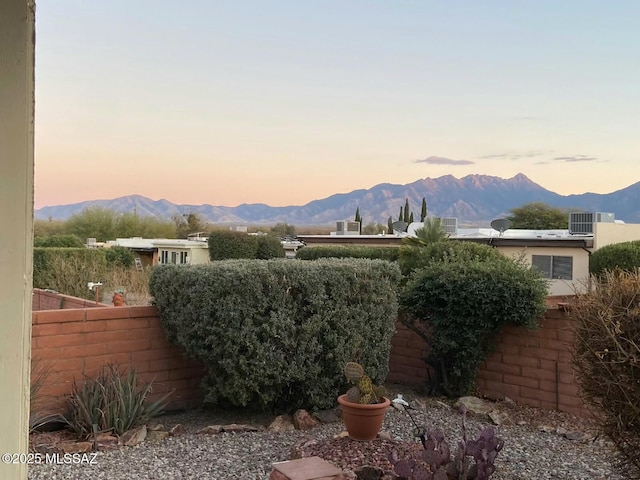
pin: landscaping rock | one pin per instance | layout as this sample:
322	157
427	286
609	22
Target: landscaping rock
302	420
297	451
210	430
369	472
329	416
157	435
177	430
500	418
474	405
384	435
75	447
134	436
105	441
282	423
156	427
237	428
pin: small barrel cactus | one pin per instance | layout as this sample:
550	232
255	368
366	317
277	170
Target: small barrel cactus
364	391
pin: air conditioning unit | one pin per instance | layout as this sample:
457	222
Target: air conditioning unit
581	223
450	225
347	228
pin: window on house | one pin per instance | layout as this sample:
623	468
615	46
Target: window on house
184	258
553	266
164	256
174	257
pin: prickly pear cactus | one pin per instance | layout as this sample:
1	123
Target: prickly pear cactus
353	395
353	371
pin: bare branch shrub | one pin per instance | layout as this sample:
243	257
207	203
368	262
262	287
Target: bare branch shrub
606	356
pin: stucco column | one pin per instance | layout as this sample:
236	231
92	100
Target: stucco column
16	225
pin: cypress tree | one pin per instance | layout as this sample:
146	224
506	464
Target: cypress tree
358	218
401	215
406	211
390	225
411	218
423	211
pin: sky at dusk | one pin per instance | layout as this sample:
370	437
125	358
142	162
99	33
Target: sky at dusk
284	102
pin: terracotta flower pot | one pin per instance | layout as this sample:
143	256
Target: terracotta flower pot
363	421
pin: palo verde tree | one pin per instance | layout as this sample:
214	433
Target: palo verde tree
538	216
458	298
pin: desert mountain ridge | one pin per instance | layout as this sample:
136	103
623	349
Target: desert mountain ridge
473	200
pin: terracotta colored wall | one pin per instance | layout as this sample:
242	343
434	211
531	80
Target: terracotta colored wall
44	300
71	342
529	366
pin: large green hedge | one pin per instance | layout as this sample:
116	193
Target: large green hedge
68	270
277	333
624	256
380	253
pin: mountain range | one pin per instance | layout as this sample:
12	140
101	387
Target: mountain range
473	200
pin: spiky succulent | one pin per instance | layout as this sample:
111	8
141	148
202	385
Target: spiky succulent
364	391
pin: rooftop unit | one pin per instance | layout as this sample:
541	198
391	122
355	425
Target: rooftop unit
581	223
450	225
347	228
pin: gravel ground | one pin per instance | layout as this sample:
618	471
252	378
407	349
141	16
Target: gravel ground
535	450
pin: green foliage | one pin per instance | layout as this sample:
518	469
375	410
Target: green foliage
189	223
605	356
46	228
423	209
129	225
93	222
283	230
416	254
58	241
381	253
269	247
432	231
357	218
119	257
461	304
111	402
225	245
406	215
373	229
68	270
624	256
277	333
538	216
390	225
363	391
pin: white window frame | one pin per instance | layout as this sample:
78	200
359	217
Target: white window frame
554	269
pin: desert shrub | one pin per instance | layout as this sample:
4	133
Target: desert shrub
58	241
227	245
605	355
269	247
133	284
413	256
380	253
39	416
625	256
68	270
119	257
111	402
459	306
277	333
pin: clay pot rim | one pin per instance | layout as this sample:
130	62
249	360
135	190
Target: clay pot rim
342	400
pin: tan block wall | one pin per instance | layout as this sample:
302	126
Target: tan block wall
43	300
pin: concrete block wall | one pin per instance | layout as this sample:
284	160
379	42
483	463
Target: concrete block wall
70	343
532	367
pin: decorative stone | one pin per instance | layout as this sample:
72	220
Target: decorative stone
500	418
384	435
329	416
297	451
134	436
157	426
75	447
474	405
237	428
309	468
282	423
210	430
302	420
157	435
105	441
369	472
177	430
578	436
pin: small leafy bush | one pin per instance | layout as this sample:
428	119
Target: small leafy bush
119	257
459	307
269	247
58	241
111	402
605	355
277	333
380	253
624	256
415	256
227	245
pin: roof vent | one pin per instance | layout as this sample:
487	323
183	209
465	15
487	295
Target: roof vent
581	223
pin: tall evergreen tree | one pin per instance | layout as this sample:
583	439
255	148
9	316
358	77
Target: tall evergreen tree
357	218
411	218
401	216
390	225
423	211
406	211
